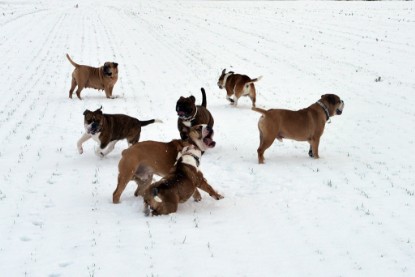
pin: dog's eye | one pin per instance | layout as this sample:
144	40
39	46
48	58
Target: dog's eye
88	117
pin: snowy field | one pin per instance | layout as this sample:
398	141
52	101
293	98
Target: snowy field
350	213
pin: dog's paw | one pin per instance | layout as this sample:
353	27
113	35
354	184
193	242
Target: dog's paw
80	150
217	196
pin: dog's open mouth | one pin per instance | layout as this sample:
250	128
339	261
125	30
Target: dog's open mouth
208	139
93	128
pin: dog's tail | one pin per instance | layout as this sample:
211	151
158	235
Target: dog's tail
204	101
71	61
151	121
253	80
259	110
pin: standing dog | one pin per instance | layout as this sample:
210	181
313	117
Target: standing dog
108	129
303	125
190	115
144	159
237	85
164	196
101	78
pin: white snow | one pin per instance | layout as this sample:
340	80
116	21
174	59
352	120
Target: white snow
350	213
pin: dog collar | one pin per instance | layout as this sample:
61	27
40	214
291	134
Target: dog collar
326	111
226	77
192	117
196	162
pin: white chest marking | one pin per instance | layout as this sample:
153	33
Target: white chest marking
187	123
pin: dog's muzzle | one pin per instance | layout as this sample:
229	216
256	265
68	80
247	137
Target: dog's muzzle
339	109
208	137
92	128
107	71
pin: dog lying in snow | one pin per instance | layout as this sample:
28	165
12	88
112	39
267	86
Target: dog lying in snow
164	196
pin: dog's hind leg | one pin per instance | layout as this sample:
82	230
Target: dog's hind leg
73	86
78	91
265	143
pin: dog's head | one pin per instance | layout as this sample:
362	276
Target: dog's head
93	121
334	104
186	107
223	77
110	69
202	136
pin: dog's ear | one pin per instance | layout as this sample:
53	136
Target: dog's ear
192	98
115	64
331	99
86	111
224	71
99	110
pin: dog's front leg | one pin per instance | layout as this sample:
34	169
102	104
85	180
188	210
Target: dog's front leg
203	185
84	138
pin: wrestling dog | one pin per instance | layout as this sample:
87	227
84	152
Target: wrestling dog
101	78
164	196
237	85
144	159
190	115
302	125
108	129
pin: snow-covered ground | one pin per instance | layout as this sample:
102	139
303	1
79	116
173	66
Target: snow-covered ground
350	213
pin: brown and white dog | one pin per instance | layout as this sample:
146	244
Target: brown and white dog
238	85
302	125
101	78
164	196
144	159
108	129
191	114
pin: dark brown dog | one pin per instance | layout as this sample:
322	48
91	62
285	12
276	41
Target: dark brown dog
238	85
108	129
303	125
101	78
144	159
191	115
164	196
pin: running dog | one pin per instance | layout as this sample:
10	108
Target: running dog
108	129
237	85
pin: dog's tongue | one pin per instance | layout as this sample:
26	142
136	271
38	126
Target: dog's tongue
209	142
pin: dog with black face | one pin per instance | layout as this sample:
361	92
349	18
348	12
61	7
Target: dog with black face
302	125
108	129
101	78
164	196
190	114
